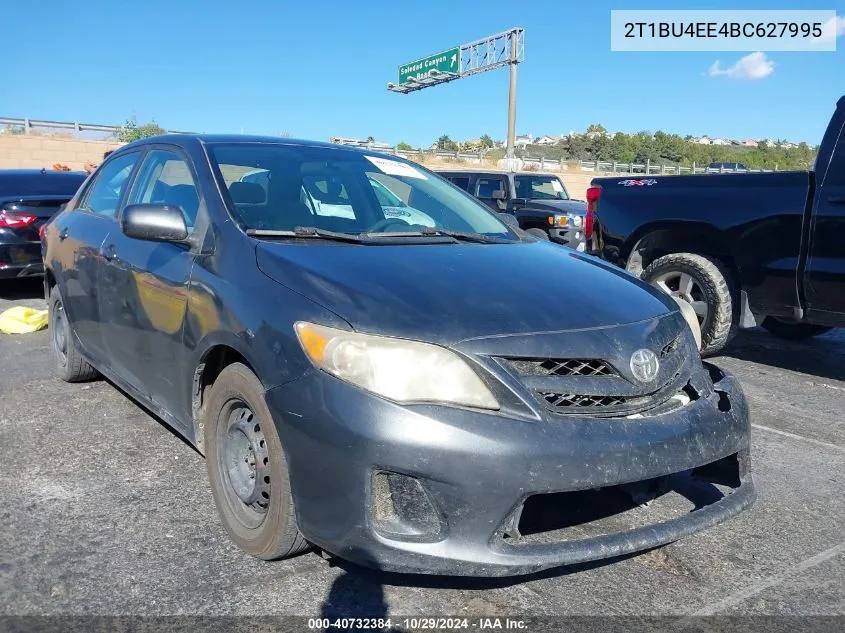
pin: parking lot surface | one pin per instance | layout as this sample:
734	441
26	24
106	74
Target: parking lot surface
104	511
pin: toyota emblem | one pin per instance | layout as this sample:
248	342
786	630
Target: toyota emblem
644	365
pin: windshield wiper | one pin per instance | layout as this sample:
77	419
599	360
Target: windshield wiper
305	232
464	236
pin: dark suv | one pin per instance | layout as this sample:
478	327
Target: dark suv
539	202
28	199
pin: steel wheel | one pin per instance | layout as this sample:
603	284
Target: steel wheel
244	463
60	333
682	285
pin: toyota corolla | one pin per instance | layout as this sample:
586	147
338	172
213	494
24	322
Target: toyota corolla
453	397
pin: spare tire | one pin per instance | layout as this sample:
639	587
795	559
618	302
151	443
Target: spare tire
705	284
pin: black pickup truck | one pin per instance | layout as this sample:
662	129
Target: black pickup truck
539	202
744	249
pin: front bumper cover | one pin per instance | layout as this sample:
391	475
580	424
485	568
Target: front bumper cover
479	468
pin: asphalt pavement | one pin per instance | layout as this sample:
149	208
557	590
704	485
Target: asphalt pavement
103	510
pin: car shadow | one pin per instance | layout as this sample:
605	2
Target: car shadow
821	356
25	288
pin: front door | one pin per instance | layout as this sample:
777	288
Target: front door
143	289
487	186
824	279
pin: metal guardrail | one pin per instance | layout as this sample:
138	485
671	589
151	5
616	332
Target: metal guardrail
660	169
556	164
76	126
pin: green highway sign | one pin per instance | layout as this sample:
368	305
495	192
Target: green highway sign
447	62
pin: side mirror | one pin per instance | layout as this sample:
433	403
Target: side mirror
519	202
499	194
154	222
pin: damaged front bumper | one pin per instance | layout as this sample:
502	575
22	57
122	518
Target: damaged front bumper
443	490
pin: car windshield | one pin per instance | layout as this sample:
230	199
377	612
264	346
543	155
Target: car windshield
282	188
540	188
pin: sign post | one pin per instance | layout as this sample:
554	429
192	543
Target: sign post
502	49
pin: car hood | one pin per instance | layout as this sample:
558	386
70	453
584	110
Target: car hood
444	293
565	206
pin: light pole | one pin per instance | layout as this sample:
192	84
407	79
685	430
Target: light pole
512	99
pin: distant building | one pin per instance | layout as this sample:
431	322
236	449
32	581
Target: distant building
522	140
704	140
720	141
787	145
750	142
547	140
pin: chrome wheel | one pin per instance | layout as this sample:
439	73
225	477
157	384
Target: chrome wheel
245	464
684	286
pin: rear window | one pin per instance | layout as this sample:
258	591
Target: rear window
40	184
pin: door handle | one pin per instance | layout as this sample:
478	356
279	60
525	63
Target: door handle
108	252
63	234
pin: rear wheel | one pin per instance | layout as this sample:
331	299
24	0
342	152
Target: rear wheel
704	283
793	331
247	467
70	366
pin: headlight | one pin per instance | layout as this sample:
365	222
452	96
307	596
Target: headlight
577	221
398	369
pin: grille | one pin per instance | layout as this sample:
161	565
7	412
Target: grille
577	400
563	367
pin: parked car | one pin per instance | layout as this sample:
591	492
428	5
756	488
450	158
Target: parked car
539	202
419	399
747	249
28	199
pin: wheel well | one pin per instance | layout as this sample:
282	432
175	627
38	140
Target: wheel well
655	245
214	361
49	282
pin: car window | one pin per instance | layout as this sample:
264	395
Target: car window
486	186
104	194
540	188
460	181
343	191
165	178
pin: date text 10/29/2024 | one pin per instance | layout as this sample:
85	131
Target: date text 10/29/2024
418	624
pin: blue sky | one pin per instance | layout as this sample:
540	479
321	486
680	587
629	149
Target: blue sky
319	69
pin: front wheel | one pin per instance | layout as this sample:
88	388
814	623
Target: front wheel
704	283
247	467
793	331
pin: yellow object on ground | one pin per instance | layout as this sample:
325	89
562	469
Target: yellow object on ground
20	320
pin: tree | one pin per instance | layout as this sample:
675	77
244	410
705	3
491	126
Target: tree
131	131
486	141
370	139
576	147
403	146
596	128
447	144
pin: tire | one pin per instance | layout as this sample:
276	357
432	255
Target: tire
540	234
711	294
793	331
70	366
237	424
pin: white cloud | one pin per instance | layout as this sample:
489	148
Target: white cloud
833	28
751	67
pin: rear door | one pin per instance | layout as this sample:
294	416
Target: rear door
824	277
144	284
75	258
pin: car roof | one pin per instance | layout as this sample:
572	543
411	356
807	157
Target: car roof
182	139
492	172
